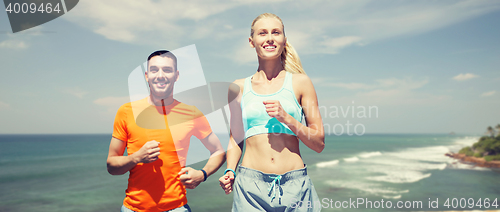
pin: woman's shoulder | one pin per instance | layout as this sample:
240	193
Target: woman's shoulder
301	79
236	87
240	83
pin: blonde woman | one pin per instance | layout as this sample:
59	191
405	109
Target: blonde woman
267	116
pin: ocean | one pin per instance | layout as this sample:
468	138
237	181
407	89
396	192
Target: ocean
381	172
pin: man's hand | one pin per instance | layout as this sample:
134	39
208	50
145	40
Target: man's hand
148	153
226	182
191	177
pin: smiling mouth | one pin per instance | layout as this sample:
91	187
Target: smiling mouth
161	84
270	47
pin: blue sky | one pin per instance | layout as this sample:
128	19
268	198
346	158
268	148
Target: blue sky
427	66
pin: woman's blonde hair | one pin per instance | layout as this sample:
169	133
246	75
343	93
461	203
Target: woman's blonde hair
289	57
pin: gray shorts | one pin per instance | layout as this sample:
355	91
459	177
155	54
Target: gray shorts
257	191
184	208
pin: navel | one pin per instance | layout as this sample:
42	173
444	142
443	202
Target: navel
272	160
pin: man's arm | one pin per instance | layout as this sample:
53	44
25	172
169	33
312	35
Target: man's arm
119	164
217	158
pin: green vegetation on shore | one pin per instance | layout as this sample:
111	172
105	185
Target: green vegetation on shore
488	147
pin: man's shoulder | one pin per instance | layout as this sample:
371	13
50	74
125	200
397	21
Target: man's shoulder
127	107
185	108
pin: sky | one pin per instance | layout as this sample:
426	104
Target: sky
402	66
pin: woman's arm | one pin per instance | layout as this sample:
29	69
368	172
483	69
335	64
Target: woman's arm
237	135
312	135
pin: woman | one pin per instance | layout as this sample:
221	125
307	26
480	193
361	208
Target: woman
267	116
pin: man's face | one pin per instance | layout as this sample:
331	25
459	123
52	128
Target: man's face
161	76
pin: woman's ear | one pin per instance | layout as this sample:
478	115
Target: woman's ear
250	41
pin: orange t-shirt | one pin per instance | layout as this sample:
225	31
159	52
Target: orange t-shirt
156	186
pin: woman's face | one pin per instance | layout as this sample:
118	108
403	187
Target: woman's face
268	38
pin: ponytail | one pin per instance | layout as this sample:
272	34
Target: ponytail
291	61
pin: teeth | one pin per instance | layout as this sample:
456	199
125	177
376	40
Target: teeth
270	47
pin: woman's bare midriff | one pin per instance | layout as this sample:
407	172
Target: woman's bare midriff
272	153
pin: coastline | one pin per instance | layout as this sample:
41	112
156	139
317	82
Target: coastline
481	162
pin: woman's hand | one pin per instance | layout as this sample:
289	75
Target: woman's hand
226	182
275	110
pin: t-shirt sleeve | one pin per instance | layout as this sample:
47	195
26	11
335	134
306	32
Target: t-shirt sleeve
201	126
119	126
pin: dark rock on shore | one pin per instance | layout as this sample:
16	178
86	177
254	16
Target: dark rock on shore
474	160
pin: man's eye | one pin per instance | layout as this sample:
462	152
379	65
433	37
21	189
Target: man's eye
153	70
262	33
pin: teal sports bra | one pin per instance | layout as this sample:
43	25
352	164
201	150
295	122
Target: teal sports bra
255	118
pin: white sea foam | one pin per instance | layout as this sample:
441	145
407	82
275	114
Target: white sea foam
467	141
376	174
392	197
430	154
327	163
400	177
371	188
350	160
402	164
458	165
460	143
369	154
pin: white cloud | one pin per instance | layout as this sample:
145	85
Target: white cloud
75	92
390	83
4	105
13	44
244	54
112	103
351	86
391	91
151	22
489	93
320	27
333	45
463	77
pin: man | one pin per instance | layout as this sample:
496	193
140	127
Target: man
156	132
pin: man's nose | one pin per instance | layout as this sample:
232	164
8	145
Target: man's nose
161	74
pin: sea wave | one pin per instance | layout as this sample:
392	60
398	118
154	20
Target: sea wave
352	159
458	165
369	154
466	141
370	188
427	154
385	174
327	163
400	177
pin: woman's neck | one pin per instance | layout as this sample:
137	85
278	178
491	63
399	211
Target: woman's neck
269	69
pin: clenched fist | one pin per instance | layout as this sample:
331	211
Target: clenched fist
148	153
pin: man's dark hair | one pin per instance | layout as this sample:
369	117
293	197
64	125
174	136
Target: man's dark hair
163	53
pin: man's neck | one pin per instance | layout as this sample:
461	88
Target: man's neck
160	101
